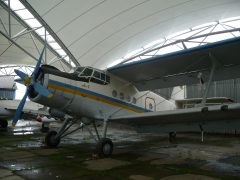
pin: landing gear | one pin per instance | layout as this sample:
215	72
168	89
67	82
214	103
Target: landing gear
45	127
51	139
104	147
4	124
172	136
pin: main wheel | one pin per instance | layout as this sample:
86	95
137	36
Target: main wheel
4	123
104	147
51	140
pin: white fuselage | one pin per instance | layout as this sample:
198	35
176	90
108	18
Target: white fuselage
98	101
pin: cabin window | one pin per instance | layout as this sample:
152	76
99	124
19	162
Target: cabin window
114	93
150	106
121	95
128	98
134	100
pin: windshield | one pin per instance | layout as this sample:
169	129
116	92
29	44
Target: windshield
79	69
87	72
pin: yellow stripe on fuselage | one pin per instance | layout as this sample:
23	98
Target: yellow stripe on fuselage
90	96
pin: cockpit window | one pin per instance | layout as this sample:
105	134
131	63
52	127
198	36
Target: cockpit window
100	78
87	72
103	77
97	74
79	69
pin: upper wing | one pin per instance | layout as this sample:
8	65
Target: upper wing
183	67
190	115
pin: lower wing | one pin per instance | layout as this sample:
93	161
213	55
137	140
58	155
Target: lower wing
190	115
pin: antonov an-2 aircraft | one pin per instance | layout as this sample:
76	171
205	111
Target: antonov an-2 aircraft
8	110
120	94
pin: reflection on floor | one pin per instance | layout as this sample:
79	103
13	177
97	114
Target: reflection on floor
23	155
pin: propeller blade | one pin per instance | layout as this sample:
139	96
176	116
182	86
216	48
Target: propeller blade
19	109
38	63
42	90
19	80
21	74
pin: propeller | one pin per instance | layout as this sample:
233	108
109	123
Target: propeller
30	81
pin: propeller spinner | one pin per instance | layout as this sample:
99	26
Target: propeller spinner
30	81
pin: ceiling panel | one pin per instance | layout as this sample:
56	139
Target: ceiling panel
98	32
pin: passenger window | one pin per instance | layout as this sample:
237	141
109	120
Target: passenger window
114	93
128	98
121	96
134	100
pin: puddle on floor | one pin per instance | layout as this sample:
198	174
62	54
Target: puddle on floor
222	167
39	173
26	164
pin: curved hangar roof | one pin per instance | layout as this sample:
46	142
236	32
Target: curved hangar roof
97	32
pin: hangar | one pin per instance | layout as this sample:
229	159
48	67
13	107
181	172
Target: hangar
108	54
76	42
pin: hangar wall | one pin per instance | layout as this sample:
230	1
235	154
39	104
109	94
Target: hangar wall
7	88
227	88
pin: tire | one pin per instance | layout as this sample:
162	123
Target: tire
104	147
4	124
51	140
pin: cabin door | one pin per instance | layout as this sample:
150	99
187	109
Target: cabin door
150	104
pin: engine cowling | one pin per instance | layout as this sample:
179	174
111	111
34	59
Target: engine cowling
56	113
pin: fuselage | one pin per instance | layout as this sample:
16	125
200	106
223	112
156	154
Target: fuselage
88	92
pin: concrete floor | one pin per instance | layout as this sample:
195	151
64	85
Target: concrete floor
136	156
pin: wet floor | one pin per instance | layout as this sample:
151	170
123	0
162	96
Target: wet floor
23	155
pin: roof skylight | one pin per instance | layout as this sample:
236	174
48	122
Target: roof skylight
29	18
193	37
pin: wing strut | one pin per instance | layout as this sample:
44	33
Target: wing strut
214	64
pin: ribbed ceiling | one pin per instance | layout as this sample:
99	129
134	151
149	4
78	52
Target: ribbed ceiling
97	32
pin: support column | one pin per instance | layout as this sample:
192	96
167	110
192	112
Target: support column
9	18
